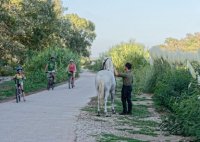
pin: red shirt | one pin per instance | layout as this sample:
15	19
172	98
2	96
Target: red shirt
72	67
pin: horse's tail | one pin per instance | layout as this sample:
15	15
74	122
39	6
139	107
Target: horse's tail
100	94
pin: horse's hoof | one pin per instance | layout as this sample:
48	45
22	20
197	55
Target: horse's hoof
98	113
107	115
113	112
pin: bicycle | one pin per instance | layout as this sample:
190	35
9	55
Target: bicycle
70	80
18	92
50	82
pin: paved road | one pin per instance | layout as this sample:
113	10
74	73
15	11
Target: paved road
47	116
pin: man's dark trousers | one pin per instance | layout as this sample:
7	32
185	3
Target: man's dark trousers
126	98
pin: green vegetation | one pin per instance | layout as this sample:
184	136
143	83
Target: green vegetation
145	131
135	121
189	43
173	92
35	74
125	123
7	90
114	138
31	26
33	30
174	86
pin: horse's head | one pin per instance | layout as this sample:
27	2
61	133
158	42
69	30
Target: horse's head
107	64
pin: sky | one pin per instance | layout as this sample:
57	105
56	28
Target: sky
148	22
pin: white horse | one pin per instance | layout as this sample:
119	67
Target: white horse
105	84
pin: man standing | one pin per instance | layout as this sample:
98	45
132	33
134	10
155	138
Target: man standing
126	89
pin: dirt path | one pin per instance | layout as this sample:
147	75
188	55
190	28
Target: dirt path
143	125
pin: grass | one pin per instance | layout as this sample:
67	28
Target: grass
140	111
90	109
145	127
92	106
136	122
7	90
134	98
145	131
30	85
114	138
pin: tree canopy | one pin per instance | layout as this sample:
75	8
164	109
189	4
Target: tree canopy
29	26
190	43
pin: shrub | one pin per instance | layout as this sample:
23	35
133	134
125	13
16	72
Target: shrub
172	87
34	67
185	119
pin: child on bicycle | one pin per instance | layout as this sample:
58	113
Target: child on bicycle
71	68
19	77
51	68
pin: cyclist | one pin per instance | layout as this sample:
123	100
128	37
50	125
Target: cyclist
19	77
71	68
51	67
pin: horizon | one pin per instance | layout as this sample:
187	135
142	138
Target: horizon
148	23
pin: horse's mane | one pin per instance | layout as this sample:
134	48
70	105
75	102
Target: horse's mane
108	65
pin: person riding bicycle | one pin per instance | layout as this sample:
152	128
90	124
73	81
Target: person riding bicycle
71	68
51	68
19	77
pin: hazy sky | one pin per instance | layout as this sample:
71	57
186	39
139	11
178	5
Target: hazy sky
147	21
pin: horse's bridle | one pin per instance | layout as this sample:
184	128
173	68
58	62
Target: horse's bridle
104	64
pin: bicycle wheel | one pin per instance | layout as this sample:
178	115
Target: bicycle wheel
70	82
48	84
17	95
52	84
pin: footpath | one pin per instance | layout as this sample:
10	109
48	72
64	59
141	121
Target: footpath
47	116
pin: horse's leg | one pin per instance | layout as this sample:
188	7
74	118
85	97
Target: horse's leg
112	100
105	102
98	98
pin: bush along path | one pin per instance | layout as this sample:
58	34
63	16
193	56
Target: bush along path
142	126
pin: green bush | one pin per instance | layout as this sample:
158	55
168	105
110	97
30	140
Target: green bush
188	115
172	87
173	90
95	65
6	71
141	78
35	67
131	52
185	118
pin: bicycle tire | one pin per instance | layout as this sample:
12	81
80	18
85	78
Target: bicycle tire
70	81
16	95
48	87
18	99
52	84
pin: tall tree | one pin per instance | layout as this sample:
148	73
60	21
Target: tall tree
10	48
29	26
57	7
82	34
